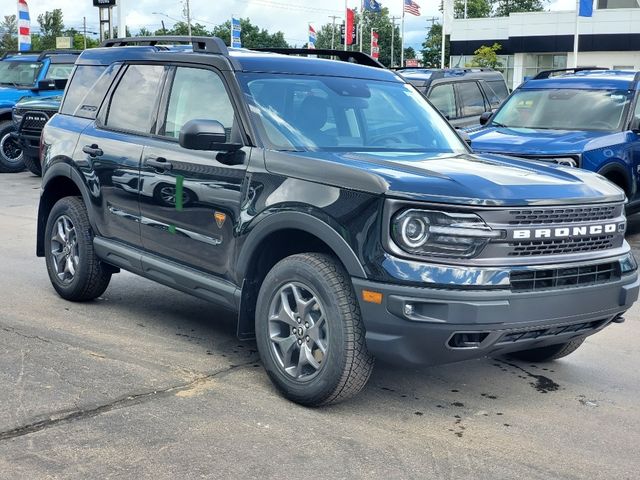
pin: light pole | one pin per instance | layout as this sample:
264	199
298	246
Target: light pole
187	11
164	30
333	29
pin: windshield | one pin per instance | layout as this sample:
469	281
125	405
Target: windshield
300	112
19	73
564	109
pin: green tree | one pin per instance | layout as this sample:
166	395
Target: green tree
475	8
502	8
181	28
145	32
432	46
325	34
409	53
51	26
486	57
9	33
251	35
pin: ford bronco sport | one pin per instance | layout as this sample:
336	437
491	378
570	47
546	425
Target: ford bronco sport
329	205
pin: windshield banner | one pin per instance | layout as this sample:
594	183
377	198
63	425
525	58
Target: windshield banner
24	26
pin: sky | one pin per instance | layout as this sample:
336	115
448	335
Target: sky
290	16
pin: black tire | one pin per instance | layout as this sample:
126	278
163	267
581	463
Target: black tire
346	366
10	150
550	353
32	164
91	277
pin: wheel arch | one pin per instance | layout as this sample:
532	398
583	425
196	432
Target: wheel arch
619	175
276	237
60	180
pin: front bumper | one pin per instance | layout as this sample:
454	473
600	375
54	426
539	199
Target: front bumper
429	326
30	143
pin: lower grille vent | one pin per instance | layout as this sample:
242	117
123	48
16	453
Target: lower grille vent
555	278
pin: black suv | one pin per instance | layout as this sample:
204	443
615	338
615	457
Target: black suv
460	94
329	205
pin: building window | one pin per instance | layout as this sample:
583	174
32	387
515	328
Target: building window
611	4
536	63
461	61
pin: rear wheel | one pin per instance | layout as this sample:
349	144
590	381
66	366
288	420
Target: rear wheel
75	271
10	149
32	164
547	354
309	331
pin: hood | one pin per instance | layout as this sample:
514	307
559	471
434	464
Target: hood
528	141
465	179
10	95
40	103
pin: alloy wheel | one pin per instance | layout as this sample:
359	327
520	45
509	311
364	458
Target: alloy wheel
64	249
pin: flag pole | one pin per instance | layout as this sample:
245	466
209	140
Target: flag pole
576	36
346	16
442	46
402	39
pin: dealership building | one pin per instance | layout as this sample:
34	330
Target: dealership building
532	42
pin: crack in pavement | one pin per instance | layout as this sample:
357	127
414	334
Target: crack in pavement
24	335
124	402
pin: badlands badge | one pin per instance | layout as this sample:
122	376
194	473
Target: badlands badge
220	218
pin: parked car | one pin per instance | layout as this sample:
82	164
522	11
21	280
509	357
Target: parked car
27	74
29	118
347	220
587	118
461	94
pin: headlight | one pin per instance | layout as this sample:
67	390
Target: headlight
17	115
443	234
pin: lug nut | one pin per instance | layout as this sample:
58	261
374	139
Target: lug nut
306	324
307	338
299	341
299	320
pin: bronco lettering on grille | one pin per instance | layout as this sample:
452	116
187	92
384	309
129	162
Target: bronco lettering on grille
568	232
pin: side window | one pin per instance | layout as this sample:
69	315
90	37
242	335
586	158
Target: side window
636	113
59	71
443	98
197	93
471	99
134	99
496	92
81	82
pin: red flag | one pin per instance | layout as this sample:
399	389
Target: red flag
350	27
375	51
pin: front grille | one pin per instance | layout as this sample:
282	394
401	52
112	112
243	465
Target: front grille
33	122
561	215
556	278
547	332
565	245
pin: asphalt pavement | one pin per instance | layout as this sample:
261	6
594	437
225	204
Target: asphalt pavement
147	382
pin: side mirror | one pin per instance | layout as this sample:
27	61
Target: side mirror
635	125
52	84
484	118
201	134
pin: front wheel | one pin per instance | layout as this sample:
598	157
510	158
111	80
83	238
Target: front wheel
547	354
309	331
32	164
75	271
10	149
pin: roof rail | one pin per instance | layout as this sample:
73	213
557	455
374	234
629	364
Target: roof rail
41	53
200	44
360	58
46	53
547	73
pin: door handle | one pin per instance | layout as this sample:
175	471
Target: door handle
93	150
160	163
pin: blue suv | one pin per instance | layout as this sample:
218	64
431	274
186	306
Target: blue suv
588	118
27	75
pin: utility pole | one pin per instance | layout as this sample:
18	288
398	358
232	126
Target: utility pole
164	30
333	29
188	15
84	28
393	34
122	27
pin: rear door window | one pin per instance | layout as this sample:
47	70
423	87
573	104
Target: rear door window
134	101
81	82
444	99
471	99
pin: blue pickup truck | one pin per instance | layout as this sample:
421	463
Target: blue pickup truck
588	118
27	74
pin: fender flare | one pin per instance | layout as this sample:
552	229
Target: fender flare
61	169
4	111
306	223
618	168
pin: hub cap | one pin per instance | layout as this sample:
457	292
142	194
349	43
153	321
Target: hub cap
64	249
168	195
298	331
10	149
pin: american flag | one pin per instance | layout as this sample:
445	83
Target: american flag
412	7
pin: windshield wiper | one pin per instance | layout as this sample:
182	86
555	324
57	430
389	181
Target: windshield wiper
13	84
498	124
